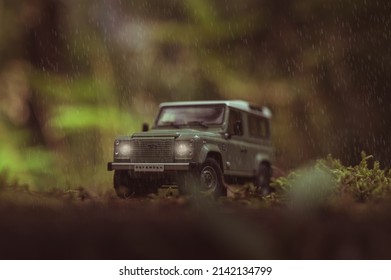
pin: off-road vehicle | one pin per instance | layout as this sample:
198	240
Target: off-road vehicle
198	146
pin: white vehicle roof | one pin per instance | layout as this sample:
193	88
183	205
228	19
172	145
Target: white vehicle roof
237	104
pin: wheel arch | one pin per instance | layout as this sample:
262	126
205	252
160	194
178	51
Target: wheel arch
216	156
211	150
261	159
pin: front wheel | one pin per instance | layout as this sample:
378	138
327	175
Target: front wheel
125	186
205	180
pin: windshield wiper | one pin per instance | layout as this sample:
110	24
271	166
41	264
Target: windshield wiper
201	123
173	124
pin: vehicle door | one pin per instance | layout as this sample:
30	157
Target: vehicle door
236	154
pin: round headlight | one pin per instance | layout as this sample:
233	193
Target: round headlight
125	149
183	149
122	148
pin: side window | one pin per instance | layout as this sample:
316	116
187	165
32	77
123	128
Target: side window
235	124
258	126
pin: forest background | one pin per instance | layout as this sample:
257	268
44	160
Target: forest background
75	74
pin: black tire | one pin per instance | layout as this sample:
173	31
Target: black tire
125	186
263	178
204	180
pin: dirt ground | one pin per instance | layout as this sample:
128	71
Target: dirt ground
69	226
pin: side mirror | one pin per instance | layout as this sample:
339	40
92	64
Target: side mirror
145	127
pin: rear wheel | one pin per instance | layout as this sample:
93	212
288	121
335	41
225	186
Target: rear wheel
262	180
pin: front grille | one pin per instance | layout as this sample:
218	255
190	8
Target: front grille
153	150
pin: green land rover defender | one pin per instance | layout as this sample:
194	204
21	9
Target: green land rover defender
198	146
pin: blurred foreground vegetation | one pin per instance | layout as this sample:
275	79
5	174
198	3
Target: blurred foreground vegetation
325	211
330	183
73	75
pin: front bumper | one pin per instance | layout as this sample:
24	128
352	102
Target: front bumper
148	167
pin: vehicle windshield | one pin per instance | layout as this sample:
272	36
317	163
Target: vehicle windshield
200	115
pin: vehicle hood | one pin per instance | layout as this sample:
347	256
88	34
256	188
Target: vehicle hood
176	133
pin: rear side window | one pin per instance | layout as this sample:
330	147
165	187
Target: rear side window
258	126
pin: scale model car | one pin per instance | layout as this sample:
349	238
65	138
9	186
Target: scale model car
198	146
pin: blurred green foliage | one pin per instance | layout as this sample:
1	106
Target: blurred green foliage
73	75
360	182
329	181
